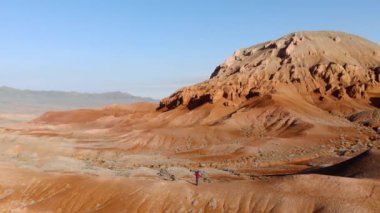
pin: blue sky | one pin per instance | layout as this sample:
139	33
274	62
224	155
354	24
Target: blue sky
152	47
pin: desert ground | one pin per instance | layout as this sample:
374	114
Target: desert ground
289	125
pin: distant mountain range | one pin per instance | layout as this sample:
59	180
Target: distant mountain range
29	101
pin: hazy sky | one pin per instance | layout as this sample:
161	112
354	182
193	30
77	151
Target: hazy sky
151	48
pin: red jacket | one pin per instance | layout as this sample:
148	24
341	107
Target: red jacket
198	174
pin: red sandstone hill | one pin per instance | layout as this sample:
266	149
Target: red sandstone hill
325	68
276	107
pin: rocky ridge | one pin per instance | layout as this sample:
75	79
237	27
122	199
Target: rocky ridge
319	65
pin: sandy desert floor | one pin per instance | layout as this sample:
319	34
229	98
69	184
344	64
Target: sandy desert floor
290	125
62	172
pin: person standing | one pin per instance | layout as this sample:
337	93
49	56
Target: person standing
197	176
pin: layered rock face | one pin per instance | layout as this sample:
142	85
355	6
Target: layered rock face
319	65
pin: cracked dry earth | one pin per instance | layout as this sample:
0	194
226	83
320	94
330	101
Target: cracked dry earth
289	125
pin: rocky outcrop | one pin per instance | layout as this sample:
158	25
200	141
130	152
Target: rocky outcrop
370	118
337	65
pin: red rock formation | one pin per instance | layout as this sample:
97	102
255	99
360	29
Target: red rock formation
338	65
